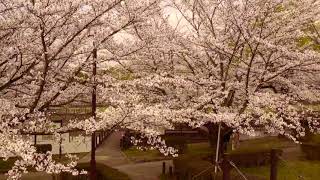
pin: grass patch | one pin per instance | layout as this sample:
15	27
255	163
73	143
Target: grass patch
5	166
199	149
192	160
262	144
137	155
309	170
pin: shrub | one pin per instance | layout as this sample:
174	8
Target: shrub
5	166
43	148
178	142
125	143
311	150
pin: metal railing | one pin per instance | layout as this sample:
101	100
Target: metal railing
206	171
238	170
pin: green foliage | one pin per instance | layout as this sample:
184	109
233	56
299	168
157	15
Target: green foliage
311	107
308	40
247	51
102	109
258	23
316	47
304	41
83	77
208	109
119	74
279	8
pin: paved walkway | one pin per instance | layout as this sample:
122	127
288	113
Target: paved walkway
109	153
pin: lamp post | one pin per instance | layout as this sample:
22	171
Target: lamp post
93	170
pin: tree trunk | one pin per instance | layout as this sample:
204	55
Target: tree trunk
213	134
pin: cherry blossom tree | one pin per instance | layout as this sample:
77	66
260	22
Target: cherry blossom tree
243	63
46	55
239	63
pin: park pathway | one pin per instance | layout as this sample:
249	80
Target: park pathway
109	153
